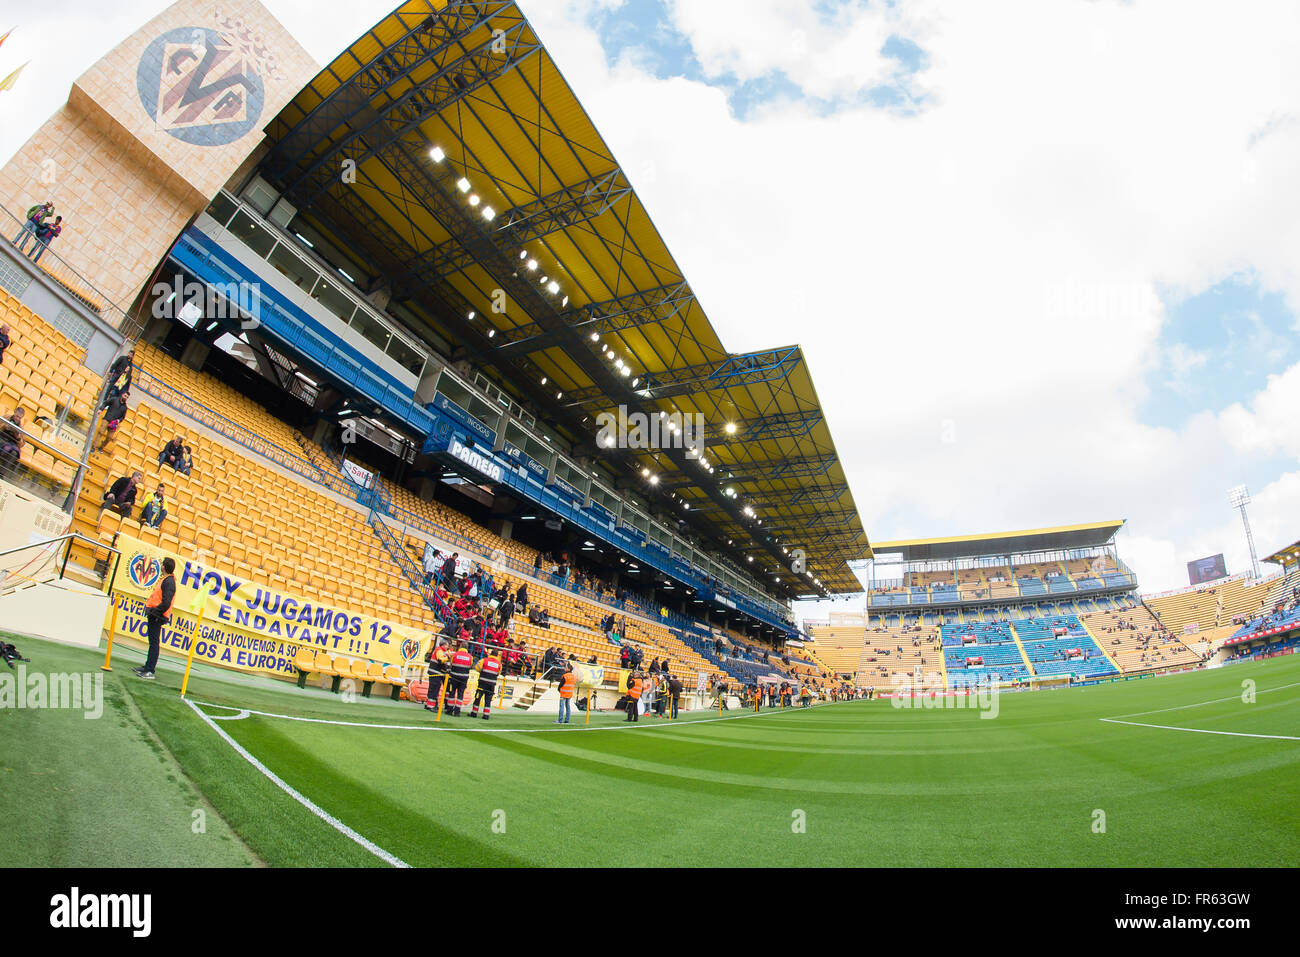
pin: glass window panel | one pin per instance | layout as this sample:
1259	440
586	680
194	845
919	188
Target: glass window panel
291	266
257	237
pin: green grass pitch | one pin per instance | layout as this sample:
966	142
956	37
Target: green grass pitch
150	783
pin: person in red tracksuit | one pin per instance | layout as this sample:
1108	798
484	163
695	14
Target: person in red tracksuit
461	662
489	670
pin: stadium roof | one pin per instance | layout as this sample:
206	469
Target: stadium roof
396	152
1285	556
1002	543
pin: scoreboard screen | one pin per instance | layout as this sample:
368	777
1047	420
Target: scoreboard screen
1206	569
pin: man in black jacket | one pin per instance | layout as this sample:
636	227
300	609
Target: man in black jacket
449	570
674	694
172	453
122	364
521	597
158	610
114	412
121	495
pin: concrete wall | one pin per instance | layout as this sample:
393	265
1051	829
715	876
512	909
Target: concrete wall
128	160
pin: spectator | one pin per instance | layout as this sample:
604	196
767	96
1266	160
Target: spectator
35	217
114	412
123	364
121	495
155	509
449	569
521	597
504	612
46	233
11	442
186	463
4	340
172	453
674	694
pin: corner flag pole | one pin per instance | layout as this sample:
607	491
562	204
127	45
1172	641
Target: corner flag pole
112	627
194	640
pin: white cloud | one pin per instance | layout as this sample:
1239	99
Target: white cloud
827	57
1268	423
989	268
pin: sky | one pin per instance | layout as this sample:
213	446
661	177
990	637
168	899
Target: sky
1043	257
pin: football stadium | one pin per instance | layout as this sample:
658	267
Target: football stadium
386	497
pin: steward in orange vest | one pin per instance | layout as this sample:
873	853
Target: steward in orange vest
157	610
634	697
568	685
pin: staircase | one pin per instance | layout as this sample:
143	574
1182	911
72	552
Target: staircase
531	696
414	576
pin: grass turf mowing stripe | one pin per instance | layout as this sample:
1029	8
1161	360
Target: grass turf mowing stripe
302	799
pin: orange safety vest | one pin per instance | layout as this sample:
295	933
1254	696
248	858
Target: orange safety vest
634	689
156	599
568	684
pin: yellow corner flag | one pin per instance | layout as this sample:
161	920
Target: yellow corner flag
8	82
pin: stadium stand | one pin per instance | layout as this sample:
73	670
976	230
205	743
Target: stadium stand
1136	640
242	455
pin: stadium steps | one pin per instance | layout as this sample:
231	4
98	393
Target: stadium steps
531	696
410	571
1023	654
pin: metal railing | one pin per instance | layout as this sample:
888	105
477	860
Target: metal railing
7	574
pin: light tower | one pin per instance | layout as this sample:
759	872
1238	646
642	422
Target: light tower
1239	498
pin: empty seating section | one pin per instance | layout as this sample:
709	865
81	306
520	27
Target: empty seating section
241	515
981	654
838	644
43	370
1136	640
1061	646
900	654
212	393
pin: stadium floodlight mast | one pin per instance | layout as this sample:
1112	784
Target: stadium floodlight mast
1239	498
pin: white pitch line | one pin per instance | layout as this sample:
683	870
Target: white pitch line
543	730
302	799
1234	734
1200	704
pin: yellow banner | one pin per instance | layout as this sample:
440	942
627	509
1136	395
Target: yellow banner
247	626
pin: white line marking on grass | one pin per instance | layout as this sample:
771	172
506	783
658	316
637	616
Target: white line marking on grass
302	799
631	725
1200	704
243	713
1234	734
